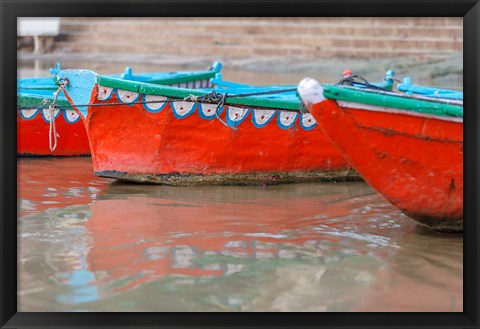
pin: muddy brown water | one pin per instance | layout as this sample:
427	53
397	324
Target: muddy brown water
93	244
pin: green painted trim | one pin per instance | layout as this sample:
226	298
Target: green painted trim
252	101
207	75
36	101
134	85
274	102
118	83
386	99
249	101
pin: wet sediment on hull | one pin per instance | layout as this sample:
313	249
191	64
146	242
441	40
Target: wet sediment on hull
445	225
262	178
32	155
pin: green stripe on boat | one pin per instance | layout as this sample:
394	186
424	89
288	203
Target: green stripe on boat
388	99
277	101
133	86
28	100
118	83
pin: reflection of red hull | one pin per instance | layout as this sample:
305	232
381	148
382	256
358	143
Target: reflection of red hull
141	239
33	135
415	161
130	142
45	183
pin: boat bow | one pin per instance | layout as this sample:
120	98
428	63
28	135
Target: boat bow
79	87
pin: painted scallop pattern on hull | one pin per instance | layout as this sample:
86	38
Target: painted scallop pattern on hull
307	121
104	93
286	119
28	114
154	103
234	115
47	114
260	118
182	109
207	111
71	116
127	97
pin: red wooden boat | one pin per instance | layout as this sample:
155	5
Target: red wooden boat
34	123
36	127
149	133
409	148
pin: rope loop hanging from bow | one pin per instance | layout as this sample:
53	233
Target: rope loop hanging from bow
52	132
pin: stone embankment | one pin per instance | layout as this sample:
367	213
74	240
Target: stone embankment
304	38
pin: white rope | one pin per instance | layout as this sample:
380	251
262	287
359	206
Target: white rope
52	129
52	132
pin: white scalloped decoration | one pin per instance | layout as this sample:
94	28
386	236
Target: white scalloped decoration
308	120
287	118
236	113
208	110
153	98
182	109
198	84
261	117
46	114
29	114
127	96
104	93
71	116
183	85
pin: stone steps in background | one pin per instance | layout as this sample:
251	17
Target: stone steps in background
264	37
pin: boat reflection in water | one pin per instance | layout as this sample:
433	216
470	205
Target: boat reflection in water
209	231
48	183
298	247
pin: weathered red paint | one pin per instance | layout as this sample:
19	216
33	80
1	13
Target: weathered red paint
132	140
33	137
415	162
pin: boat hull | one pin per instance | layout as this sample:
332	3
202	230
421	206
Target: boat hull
33	128
33	125
184	143
415	161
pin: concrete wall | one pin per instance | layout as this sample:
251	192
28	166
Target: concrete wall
264	37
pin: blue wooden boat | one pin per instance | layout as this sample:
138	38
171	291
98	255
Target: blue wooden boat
356	81
407	87
48	83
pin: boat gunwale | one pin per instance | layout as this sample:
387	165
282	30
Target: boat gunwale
415	104
30	99
132	85
148	88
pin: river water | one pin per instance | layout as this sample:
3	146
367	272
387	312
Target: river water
92	244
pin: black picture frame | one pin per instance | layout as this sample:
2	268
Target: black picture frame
11	9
